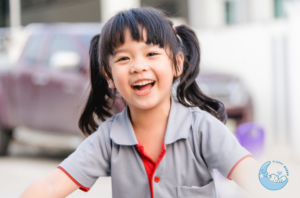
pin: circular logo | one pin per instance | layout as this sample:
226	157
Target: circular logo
275	179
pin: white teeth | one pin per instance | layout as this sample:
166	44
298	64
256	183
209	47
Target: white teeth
143	83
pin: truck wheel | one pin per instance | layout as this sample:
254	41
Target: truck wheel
5	137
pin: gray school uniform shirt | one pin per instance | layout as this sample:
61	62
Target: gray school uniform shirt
195	141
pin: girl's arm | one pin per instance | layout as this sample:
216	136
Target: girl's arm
55	185
245	175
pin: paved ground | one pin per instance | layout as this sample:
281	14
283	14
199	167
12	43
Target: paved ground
26	164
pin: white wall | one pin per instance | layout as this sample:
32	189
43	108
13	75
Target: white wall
211	13
111	7
294	73
206	13
261	10
254	53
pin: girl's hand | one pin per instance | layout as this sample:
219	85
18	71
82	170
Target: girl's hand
55	185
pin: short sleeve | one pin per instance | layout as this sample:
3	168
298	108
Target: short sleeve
219	147
89	161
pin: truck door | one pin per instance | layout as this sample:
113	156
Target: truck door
62	98
27	79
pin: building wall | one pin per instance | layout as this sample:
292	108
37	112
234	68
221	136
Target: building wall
220	13
68	11
174	8
244	52
261	10
264	53
199	13
4	8
111	7
206	13
265	56
293	72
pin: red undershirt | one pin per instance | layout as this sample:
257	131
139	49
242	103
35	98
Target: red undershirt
150	165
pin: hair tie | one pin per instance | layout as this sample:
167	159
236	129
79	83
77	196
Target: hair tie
177	35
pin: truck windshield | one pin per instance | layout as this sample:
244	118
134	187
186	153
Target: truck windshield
87	39
32	49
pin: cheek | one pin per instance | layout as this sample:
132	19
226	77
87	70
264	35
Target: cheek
164	75
120	77
166	70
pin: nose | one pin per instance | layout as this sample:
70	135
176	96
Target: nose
138	67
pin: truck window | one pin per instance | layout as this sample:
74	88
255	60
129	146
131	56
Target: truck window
61	43
87	39
32	49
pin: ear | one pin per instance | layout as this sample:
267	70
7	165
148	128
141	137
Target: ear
180	61
111	84
109	81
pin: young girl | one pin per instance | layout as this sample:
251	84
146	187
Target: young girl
160	145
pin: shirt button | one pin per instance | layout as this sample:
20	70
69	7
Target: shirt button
156	179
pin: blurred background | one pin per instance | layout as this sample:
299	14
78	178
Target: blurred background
249	60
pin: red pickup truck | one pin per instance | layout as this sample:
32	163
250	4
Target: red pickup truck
46	89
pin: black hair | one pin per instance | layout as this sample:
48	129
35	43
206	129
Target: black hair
159	32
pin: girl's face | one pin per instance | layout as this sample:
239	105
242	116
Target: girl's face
136	63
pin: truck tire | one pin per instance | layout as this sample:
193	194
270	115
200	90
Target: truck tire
5	137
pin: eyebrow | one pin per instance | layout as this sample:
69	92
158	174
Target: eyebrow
125	49
119	51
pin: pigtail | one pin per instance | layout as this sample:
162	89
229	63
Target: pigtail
188	92
99	98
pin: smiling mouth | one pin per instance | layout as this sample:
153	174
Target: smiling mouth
143	88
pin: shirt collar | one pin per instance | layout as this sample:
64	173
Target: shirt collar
179	123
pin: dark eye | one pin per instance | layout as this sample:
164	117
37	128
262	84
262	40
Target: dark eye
151	54
122	59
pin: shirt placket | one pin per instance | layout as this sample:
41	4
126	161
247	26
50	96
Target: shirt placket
158	176
141	163
158	169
